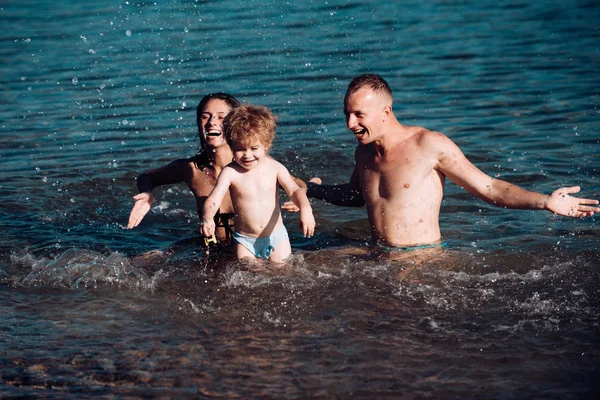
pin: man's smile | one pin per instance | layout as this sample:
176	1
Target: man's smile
359	133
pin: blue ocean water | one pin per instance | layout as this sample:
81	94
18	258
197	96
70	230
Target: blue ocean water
93	93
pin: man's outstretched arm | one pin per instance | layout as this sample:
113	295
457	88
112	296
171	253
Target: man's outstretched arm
500	193
345	194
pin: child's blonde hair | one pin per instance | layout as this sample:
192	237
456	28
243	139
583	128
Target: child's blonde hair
247	123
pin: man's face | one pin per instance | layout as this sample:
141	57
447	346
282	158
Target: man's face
365	112
211	122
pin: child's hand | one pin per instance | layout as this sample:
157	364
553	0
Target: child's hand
307	223
207	227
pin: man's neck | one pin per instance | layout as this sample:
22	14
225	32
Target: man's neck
394	134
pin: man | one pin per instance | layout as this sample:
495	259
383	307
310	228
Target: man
400	172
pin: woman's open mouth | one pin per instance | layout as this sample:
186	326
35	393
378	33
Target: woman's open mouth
213	133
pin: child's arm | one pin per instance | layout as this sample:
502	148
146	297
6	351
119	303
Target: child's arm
213	201
298	196
289	206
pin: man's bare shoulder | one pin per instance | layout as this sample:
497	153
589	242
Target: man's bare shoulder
427	138
420	133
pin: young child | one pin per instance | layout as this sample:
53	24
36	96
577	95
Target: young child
253	180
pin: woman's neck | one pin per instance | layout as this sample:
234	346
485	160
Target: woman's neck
220	156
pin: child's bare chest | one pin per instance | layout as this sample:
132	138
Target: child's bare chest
258	186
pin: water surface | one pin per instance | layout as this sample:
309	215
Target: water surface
94	93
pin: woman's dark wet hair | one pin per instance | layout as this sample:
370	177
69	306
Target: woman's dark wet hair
227	98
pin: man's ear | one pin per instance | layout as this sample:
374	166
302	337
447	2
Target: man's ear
387	112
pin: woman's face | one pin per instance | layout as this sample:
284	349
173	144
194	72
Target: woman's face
211	122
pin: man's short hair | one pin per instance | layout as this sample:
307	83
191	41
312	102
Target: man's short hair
372	81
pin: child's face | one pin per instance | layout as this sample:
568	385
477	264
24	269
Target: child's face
249	156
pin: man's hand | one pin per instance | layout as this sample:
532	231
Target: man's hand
561	203
143	204
290	206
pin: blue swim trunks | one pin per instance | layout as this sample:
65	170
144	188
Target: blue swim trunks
262	247
393	249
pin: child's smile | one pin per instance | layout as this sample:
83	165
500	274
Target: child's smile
249	156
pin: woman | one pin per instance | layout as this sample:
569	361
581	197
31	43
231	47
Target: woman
199	172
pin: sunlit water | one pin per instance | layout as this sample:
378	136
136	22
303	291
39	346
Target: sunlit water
93	93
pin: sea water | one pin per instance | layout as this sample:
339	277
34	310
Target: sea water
93	93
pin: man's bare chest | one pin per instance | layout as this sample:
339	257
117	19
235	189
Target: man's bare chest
393	177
